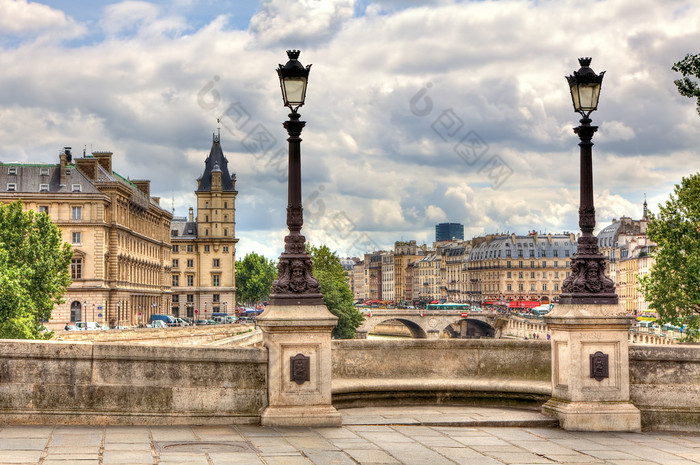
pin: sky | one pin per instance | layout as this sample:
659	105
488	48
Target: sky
418	112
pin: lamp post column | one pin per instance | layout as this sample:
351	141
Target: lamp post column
590	360
296	325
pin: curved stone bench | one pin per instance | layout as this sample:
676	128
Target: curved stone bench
447	371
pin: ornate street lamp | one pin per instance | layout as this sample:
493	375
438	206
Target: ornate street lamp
587	283
295	283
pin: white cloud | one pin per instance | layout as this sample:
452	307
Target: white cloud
152	88
22	17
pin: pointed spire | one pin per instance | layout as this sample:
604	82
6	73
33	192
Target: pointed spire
645	216
215	162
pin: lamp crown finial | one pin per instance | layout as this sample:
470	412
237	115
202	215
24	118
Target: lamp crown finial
584	61
293	54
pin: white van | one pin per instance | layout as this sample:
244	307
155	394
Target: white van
88	325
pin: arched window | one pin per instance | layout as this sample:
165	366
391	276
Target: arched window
75	311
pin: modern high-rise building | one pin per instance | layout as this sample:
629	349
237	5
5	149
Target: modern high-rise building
449	231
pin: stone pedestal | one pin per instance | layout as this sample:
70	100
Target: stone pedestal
298	340
590	368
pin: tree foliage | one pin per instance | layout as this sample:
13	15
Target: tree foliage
672	286
688	66
254	276
34	271
337	295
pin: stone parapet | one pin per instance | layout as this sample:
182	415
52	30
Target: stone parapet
84	383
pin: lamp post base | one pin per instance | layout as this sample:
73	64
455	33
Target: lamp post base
298	340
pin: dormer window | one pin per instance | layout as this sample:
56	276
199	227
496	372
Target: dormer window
43	172
11	187
75	188
12	170
43	187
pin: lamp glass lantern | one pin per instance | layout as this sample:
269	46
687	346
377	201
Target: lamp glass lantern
293	79
584	85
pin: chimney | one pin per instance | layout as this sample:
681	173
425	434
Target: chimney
144	186
104	159
64	161
87	166
191	215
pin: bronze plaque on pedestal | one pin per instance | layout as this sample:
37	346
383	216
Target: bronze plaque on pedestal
300	368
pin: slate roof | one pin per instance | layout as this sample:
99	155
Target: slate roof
216	161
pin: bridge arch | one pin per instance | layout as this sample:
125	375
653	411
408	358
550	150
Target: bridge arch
417	332
470	328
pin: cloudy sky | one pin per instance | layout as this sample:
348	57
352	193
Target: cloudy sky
418	111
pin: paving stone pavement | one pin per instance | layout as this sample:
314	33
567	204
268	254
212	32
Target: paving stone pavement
371	436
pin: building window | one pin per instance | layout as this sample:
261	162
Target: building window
520	287
77	213
520	275
544	287
176	281
509	287
75	238
532	264
225	204
508	274
190	263
544	275
566	252
206	232
532	275
190	298
206	204
206	248
176	248
173	232
225	249
11	170
44	209
190	248
75	187
225	232
556	264
508	264
76	268
215	280
556	275
43	171
43	187
556	287
206	218
190	280
520	264
215	298
176	298
11	187
532	287
176	263
556	253
215	263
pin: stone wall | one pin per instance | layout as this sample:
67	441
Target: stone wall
404	372
100	383
665	386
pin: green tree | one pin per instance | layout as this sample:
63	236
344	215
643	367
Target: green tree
34	271
254	276
672	286
337	295
688	66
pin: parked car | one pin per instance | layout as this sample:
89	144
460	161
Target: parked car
158	324
182	322
167	319
71	328
88	326
246	320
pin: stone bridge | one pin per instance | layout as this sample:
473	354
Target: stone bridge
430	324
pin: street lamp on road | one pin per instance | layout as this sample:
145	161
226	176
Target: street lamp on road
587	283
295	283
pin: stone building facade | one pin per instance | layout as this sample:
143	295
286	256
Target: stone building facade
204	247
120	270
